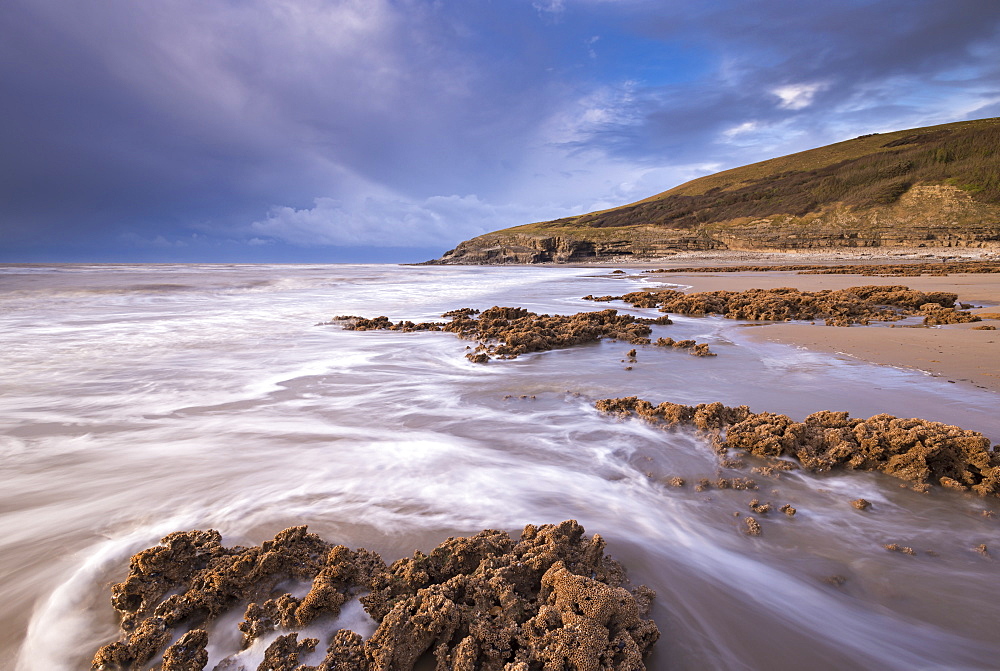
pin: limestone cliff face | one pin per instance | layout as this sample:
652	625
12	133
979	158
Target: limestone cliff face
925	216
510	247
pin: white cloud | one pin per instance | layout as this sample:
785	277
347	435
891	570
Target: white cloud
387	221
549	6
590	42
797	96
741	129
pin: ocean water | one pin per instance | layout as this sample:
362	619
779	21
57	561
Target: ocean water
140	400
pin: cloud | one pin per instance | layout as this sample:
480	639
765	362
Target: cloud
797	96
389	221
120	115
817	73
312	122
550	6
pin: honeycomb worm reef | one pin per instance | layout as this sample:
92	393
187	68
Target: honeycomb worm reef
551	599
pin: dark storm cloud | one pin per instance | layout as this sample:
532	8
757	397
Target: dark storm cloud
181	127
101	126
153	116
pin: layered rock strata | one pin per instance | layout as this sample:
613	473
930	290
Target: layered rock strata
939	268
924	216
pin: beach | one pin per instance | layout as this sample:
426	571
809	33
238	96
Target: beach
955	352
150	400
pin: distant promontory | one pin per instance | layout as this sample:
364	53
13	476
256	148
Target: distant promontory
932	187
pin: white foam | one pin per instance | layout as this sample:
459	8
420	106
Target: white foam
224	406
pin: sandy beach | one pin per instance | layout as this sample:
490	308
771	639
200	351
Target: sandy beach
152	399
959	352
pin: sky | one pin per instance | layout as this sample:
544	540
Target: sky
390	130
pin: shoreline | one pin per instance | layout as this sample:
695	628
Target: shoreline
958	352
832	256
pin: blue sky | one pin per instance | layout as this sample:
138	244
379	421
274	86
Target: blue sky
390	130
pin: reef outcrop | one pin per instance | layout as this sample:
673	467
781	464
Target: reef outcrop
507	332
549	600
918	451
841	307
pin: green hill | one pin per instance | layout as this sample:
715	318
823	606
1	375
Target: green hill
935	187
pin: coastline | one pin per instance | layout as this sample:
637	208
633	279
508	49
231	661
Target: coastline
958	352
366	437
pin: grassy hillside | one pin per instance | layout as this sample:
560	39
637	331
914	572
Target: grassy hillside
861	173
926	187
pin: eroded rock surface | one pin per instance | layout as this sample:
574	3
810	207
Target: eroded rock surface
918	451
549	600
507	332
841	307
938	268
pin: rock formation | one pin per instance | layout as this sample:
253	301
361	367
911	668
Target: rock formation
841	307
937	268
551	599
507	332
918	451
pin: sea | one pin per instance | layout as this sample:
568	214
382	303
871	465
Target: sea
139	400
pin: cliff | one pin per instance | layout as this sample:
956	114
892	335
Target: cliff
927	187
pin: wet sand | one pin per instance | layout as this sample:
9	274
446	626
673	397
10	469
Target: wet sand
955	353
958	353
149	400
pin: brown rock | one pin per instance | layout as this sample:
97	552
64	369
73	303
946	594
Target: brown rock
283	653
878	270
760	508
482	602
507	332
346	652
918	451
893	547
842	307
188	653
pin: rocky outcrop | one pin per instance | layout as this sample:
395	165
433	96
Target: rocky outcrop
936	268
920	452
551	599
507	332
930	216
931	187
841	307
925	216
513	247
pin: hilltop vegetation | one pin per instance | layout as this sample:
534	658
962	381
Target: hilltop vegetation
938	185
964	157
